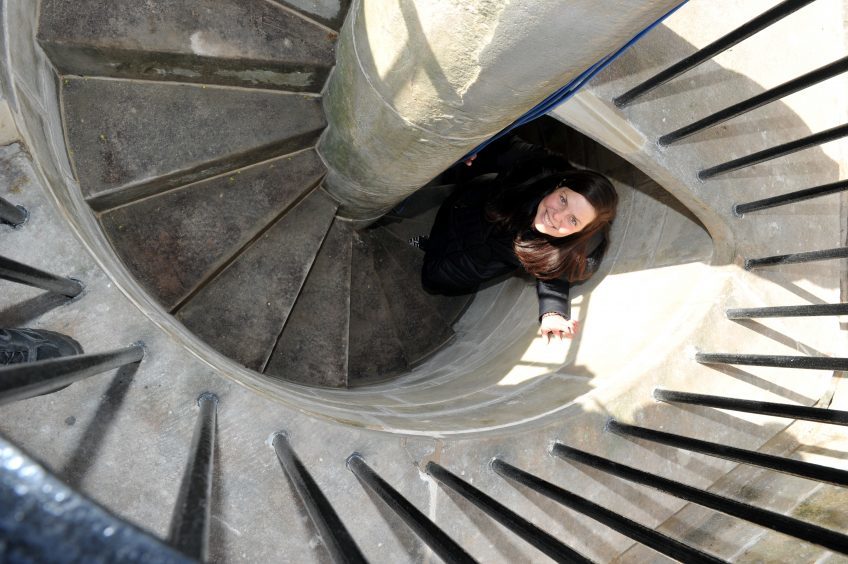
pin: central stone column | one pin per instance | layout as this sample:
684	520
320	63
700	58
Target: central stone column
419	83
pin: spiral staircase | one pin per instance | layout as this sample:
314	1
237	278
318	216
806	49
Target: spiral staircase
179	181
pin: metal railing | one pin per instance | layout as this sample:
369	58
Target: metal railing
791	198
777	463
795	258
14	271
11	214
334	535
782	150
817	414
636	531
542	540
814	310
445	547
741	33
805	81
769	519
26	380
189	529
777	361
44	520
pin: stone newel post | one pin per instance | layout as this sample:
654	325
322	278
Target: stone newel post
418	83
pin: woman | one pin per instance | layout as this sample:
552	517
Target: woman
554	225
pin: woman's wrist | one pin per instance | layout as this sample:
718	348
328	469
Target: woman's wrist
552	313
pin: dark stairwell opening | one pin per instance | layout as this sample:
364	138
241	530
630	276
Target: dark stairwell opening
493	368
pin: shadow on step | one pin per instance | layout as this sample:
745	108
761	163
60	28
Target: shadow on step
88	447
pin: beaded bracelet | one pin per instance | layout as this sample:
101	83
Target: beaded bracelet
550	313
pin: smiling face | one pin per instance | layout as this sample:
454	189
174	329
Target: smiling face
562	213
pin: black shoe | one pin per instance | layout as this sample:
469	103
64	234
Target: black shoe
419	242
28	345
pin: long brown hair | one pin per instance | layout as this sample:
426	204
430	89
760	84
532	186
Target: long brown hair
548	257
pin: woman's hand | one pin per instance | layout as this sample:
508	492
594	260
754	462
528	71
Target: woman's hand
555	325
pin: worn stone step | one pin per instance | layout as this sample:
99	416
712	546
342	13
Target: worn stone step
173	241
251	43
375	351
242	311
313	347
449	308
422	321
130	139
328	12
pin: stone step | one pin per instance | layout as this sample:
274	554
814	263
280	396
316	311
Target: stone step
174	241
242	311
313	348
450	308
375	350
129	139
250	43
422	321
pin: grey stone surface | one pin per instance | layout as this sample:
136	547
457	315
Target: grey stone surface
22	47
6	82
250	43
132	139
34	92
409	261
329	12
241	312
375	353
173	241
416	315
313	347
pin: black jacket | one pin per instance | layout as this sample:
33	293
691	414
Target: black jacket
465	249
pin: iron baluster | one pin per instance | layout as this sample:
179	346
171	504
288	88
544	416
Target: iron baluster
189	531
832	416
820	138
718	46
828	71
794	258
789	311
334	534
542	540
445	547
26	380
769	519
791	197
778	463
22	274
636	531
778	361
12	214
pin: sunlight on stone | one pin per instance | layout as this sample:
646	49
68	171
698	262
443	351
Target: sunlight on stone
540	359
792	54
